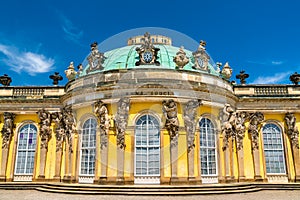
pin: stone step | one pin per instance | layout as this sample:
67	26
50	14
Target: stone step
145	192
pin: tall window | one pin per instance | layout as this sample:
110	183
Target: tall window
147	146
26	150
207	147
88	147
273	148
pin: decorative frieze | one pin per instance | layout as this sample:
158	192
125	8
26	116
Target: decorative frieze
172	123
189	116
121	119
101	111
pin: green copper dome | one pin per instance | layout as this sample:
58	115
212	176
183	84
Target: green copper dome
126	58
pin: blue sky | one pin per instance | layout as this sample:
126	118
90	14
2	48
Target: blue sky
39	37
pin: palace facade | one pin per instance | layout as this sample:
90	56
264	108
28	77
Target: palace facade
150	113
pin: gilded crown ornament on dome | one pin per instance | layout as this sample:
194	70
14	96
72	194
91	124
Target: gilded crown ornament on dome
181	59
147	52
95	59
201	57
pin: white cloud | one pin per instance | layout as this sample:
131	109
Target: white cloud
29	62
277	78
273	62
72	33
276	62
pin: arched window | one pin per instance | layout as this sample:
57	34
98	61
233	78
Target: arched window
273	149
147	147
208	147
26	150
88	147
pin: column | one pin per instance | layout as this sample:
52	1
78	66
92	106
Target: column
296	157
4	164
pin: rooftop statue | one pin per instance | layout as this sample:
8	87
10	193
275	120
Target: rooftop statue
147	52
95	59
201	57
70	72
226	71
181	59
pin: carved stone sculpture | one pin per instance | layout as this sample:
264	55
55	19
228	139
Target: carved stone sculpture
60	134
240	128
242	76
56	78
70	72
95	59
226	71
172	122
70	125
201	58
292	130
101	112
228	118
295	78
45	131
147	52
181	59
7	129
5	80
121	120
254	127
189	116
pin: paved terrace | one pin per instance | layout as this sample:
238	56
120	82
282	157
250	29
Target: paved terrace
36	195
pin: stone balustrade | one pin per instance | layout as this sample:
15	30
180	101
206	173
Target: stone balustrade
267	90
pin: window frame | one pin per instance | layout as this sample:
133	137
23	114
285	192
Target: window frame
26	149
157	146
214	131
281	149
89	129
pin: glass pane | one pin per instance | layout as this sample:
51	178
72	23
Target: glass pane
273	147
207	147
88	147
26	149
147	146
